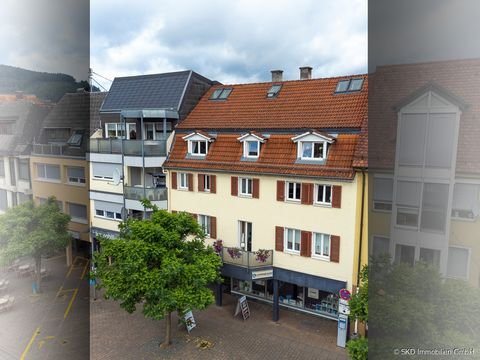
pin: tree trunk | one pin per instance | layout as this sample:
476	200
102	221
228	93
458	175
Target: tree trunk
38	275
168	331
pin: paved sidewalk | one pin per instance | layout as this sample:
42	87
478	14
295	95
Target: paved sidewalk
115	334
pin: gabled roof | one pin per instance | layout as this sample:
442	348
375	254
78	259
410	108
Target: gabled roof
278	156
199	133
302	104
319	134
157	91
254	135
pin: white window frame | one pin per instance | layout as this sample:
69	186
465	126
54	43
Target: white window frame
248	184
204	222
118	128
324	192
246	149
76	219
191	147
76	180
323	238
285	240
457	212
183	176
287	184
103	215
469	258
59	180
311	157
207	180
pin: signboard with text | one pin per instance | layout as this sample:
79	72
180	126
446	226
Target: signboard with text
242	306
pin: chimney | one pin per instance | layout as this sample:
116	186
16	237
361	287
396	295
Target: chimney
305	72
277	75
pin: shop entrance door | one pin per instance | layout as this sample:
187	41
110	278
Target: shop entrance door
245	232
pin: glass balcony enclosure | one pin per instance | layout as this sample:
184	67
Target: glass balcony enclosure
249	259
139	192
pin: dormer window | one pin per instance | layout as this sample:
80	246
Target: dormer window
221	94
198	143
198	147
251	145
252	148
314	150
312	145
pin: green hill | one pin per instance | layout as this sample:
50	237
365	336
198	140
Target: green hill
44	85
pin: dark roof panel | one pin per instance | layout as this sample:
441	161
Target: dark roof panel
159	91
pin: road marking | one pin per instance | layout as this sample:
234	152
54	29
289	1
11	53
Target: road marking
70	304
71	266
59	291
29	345
84	270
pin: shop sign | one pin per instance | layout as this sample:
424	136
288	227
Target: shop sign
189	320
242	306
262	274
313	293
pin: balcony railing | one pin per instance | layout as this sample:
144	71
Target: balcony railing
152	194
57	150
131	147
244	258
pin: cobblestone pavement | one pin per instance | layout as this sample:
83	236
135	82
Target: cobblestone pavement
115	334
53	325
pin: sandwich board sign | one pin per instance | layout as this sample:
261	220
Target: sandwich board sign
189	320
242	306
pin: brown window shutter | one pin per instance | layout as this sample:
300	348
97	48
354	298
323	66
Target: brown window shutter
190	182
305	241
213	227
256	188
174	180
234	186
279	238
280	190
307	193
213	184
335	248
201	182
336	196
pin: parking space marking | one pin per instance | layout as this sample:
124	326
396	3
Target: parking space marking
70	304
84	270
29	345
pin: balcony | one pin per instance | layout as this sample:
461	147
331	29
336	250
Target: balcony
131	147
152	194
57	150
247	259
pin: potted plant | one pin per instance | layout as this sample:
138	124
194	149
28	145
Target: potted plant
234	252
218	246
262	255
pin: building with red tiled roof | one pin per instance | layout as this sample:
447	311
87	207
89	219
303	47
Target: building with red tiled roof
273	172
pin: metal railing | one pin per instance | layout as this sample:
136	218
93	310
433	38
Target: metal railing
152	194
249	259
57	150
131	147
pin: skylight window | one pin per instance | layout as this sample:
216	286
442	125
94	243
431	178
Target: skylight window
75	139
274	90
221	94
349	85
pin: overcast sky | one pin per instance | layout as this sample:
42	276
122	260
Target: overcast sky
229	41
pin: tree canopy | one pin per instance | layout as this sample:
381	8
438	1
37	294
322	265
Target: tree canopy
161	264
33	230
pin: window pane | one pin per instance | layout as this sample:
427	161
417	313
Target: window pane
404	254
382	189
23	169
318	150
412	139
41	171
291	190
342	86
307	149
78	211
457	262
252	148
355	84
434	207
326	245
380	246
52	172
195	147
203	147
99	212
408	193
297	240
76	172
297	191
430	256
328	194
441	131
407	217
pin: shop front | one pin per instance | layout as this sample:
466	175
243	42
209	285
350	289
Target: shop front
289	289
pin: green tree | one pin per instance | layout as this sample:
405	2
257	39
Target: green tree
161	264
33	230
358	348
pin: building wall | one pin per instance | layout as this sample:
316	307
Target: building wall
266	212
62	190
361	225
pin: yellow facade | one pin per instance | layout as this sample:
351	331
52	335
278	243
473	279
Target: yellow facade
63	190
266	212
